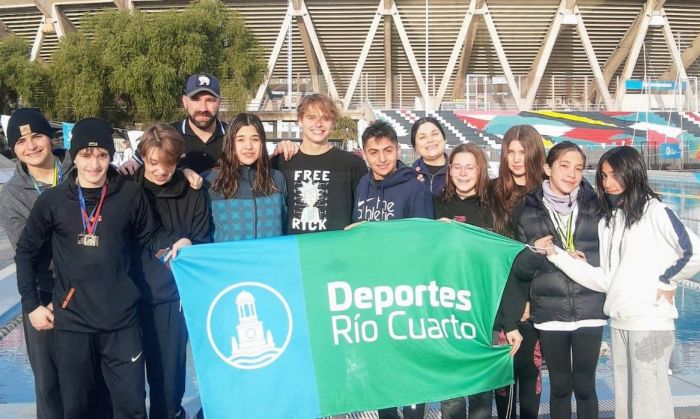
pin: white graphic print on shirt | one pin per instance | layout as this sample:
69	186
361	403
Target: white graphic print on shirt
375	209
310	199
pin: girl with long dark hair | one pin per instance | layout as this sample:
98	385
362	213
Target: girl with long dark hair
247	195
568	317
644	251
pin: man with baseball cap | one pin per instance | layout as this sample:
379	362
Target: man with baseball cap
92	220
38	169
202	130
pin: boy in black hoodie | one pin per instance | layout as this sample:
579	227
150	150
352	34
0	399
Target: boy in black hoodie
182	210
91	220
391	191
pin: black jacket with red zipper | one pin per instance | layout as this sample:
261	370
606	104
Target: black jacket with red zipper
104	296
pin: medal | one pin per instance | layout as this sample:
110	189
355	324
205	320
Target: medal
88	237
90	240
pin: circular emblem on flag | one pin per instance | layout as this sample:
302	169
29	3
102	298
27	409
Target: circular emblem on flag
249	325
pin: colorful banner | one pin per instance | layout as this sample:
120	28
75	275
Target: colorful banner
386	314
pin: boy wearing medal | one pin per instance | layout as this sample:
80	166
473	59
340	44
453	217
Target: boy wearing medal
29	138
91	221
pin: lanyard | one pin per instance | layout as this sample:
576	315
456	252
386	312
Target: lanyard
568	238
88	227
57	177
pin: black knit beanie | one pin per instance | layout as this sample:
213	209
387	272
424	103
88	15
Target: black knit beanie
91	132
26	121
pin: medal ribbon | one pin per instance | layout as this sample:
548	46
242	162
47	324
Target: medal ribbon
57	176
88	227
568	238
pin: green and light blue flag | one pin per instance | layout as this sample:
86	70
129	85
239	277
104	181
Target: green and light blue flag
386	314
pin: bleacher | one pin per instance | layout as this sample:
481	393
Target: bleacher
457	131
399	122
468	133
689	121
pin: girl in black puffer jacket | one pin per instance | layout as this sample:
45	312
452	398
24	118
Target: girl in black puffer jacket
569	317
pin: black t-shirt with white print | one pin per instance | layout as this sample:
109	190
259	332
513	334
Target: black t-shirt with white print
320	189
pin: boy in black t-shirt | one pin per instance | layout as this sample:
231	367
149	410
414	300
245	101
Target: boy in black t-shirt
321	179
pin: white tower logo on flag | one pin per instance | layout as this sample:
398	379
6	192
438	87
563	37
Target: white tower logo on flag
252	344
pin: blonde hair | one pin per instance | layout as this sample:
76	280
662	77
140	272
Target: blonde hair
322	102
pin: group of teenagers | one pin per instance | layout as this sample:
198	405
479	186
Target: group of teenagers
100	305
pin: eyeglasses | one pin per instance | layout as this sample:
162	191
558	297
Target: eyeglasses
458	168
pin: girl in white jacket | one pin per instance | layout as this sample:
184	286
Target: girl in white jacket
644	251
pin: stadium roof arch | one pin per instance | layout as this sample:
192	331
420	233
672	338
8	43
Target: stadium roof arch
530	53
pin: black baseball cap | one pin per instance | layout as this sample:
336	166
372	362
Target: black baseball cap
202	82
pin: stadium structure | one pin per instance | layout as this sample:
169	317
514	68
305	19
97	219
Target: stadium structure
592	71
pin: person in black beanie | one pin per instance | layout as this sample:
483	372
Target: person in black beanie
38	169
92	220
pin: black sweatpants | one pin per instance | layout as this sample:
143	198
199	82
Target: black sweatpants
117	355
165	349
408	412
572	358
527	364
41	354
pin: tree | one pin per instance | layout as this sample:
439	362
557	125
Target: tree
131	66
345	130
22	82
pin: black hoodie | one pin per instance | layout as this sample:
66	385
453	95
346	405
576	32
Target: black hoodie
105	296
181	210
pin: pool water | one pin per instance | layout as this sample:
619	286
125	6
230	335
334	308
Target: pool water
686	356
